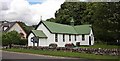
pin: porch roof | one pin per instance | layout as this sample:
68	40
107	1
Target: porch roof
39	33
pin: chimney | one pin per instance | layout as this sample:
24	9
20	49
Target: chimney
72	21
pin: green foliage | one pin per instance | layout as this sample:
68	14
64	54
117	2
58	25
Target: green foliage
51	20
104	17
106	24
25	27
23	42
10	38
70	9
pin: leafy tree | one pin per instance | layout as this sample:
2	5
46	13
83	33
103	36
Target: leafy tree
105	18
70	9
51	20
10	38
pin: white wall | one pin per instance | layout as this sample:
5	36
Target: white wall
92	37
29	39
51	38
43	42
17	28
60	40
84	42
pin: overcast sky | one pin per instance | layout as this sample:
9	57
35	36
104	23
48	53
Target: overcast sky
28	11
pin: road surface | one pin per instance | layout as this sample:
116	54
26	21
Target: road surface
14	56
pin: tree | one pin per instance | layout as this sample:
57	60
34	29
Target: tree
10	38
70	9
104	17
106	21
51	20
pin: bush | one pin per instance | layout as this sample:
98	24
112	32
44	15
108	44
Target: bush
77	44
23	42
70	45
53	45
10	38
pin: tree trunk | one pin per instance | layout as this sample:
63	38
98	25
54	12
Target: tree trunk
10	46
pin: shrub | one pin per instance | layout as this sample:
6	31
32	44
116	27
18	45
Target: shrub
23	42
70	45
77	44
53	45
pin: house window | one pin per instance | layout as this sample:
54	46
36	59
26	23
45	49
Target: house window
83	37
69	37
75	37
63	37
56	37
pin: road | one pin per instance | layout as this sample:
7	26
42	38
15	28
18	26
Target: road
14	56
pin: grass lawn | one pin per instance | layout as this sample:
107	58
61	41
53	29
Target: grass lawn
101	46
63	54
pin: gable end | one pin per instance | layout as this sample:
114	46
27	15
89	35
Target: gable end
44	25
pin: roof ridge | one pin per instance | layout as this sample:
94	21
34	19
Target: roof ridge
66	24
57	23
67	29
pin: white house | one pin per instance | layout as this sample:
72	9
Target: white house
47	33
6	26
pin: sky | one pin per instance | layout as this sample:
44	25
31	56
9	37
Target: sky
28	11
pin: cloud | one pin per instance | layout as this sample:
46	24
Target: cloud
4	4
22	10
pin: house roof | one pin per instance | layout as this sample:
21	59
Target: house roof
67	29
9	25
59	28
83	29
39	33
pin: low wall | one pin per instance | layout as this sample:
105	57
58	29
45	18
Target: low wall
97	51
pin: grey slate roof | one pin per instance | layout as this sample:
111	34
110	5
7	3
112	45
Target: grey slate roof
6	24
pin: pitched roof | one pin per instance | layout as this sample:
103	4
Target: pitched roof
8	24
67	29
83	29
39	33
59	28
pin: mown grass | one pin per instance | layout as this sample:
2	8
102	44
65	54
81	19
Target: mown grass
63	54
